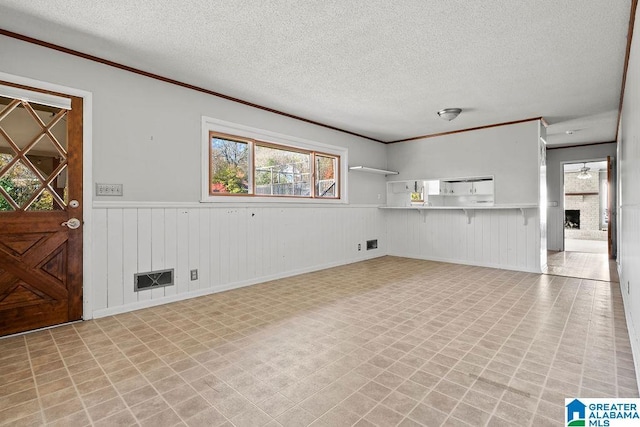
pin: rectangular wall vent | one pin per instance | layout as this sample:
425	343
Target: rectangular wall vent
372	244
152	280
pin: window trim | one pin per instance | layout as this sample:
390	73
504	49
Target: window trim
338	174
234	138
255	136
273	146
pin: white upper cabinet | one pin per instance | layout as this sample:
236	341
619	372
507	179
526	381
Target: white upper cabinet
484	186
471	191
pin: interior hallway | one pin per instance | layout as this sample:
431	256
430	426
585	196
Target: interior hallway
390	341
584	265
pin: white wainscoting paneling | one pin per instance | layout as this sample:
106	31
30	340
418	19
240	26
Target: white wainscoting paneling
496	238
629	272
230	247
555	225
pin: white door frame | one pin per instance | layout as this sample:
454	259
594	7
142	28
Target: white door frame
87	178
562	165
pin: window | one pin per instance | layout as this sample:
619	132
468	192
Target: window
326	171
281	171
241	166
229	165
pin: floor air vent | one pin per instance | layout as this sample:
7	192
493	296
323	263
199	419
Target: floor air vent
152	280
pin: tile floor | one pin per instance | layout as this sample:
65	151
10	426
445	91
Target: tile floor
582	265
591	246
386	342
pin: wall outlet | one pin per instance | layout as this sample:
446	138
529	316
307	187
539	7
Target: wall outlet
194	274
359	247
108	189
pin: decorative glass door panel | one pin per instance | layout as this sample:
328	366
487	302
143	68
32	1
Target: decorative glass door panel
33	156
40	209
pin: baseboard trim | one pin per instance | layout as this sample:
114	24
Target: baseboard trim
464	262
633	333
110	311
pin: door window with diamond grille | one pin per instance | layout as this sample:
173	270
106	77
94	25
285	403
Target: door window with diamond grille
33	156
41	212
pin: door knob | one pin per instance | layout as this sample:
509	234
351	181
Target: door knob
72	223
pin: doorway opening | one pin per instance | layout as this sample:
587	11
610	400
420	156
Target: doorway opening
587	231
586	215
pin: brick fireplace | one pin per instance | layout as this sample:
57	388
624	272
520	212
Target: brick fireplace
583	207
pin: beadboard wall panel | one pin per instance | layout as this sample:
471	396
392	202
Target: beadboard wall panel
498	238
230	247
629	200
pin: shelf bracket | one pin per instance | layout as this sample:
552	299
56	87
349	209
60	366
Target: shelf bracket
423	214
523	212
469	214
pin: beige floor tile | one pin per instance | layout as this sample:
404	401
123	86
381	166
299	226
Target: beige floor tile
179	394
18	398
78	419
62	410
207	418
138	396
58	397
191	407
295	417
251	417
398	340
106	409
336	417
275	405
165	418
426	415
19	411
122	418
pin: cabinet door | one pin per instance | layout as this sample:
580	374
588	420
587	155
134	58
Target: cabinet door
433	187
483	187
461	188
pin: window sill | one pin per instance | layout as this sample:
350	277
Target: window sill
269	200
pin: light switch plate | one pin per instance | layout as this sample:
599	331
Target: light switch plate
108	189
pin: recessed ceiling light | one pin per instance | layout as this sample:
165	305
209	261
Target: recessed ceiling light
449	113
569	132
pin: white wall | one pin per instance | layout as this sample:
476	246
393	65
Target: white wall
510	153
129	110
147	136
556	157
629	198
499	238
230	247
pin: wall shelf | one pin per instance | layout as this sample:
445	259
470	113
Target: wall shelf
467	210
434	208
373	170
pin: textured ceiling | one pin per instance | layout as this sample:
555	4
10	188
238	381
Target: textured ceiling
373	67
